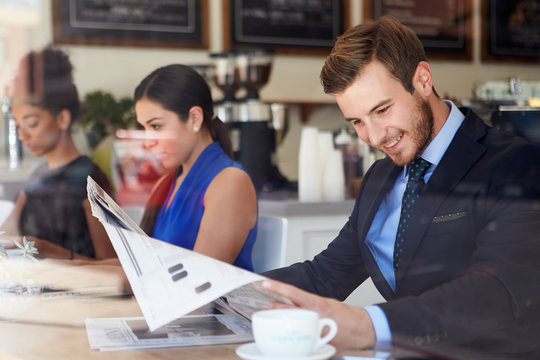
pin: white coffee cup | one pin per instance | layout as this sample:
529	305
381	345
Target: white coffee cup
290	332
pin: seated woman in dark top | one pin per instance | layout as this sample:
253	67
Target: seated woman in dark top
52	209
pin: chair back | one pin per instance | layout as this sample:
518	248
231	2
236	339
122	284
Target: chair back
269	248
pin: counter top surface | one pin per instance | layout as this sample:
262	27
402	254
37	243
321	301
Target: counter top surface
19	173
286	204
12	180
278	208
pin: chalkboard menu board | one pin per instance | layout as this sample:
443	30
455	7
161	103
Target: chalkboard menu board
511	30
286	26
443	26
163	23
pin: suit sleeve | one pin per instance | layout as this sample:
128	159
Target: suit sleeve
335	272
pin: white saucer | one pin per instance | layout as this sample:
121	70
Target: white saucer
251	352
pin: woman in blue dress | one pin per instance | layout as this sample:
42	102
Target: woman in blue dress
206	202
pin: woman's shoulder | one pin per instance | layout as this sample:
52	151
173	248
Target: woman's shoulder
232	179
233	190
74	172
83	166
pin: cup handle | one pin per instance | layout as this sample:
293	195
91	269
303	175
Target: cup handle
332	331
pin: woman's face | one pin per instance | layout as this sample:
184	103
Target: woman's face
37	128
170	139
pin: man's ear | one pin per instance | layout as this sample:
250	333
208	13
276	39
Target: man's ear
422	79
63	119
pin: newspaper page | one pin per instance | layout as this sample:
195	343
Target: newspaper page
110	334
169	281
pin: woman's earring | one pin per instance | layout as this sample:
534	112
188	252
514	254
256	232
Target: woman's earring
196	128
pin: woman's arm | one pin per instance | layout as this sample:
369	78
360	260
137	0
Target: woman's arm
11	228
47	249
102	245
230	212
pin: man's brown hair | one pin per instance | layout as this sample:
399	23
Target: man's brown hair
386	40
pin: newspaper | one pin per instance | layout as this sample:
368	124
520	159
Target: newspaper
133	333
169	281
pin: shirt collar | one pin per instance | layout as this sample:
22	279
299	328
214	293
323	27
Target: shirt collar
438	146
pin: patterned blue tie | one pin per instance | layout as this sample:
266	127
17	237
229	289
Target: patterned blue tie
417	170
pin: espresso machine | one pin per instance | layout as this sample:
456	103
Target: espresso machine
251	122
13	146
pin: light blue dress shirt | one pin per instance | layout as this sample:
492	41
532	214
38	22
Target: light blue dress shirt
382	233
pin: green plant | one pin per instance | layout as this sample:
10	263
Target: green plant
103	114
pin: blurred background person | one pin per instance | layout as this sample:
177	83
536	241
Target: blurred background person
52	209
206	202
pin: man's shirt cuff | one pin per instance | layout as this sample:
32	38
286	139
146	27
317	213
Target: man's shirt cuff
380	324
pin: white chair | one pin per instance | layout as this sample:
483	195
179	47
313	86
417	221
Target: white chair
269	248
6	207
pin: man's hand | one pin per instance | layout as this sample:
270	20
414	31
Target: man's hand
355	330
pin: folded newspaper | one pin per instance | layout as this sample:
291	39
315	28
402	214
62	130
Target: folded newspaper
169	281
213	324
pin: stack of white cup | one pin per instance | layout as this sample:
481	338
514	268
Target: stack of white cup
334	177
309	166
320	167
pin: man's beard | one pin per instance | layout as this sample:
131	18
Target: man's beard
424	127
421	133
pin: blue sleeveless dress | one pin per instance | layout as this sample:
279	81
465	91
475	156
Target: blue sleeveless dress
179	224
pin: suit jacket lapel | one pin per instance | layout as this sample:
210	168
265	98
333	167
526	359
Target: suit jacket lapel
463	152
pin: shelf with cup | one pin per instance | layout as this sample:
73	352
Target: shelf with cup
307	106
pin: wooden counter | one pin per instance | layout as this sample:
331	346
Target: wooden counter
22	340
36	328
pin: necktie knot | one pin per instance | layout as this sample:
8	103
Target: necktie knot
418	169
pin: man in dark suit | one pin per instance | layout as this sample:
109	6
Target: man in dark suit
455	251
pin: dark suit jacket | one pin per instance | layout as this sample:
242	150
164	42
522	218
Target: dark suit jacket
470	272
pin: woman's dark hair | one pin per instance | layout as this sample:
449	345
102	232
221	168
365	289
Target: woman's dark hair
44	79
178	88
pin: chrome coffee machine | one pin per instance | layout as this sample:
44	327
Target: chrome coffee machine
13	146
253	124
